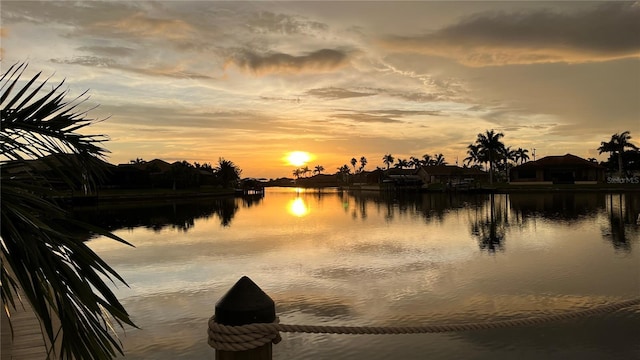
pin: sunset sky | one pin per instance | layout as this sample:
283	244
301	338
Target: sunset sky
252	81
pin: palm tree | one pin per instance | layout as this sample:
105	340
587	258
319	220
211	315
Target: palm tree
353	163
520	155
474	155
344	172
344	169
318	169
305	170
414	162
137	161
227	173
363	163
44	252
297	173
388	159
616	145
490	148
426	159
401	164
438	160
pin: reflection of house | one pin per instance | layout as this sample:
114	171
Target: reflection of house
566	169
450	174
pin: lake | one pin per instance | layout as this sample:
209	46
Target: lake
328	257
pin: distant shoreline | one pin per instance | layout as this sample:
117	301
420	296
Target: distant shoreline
134	195
131	195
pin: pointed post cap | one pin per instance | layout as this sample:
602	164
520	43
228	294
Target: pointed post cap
245	303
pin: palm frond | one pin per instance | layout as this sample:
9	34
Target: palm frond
43	247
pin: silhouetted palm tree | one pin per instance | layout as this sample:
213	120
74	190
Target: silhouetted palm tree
318	169
305	170
363	163
414	162
44	252
490	147
426	159
521	155
474	155
438	160
616	145
227	173
297	173
401	164
353	163
343	173
388	159
137	161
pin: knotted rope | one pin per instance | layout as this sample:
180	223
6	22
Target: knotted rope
251	336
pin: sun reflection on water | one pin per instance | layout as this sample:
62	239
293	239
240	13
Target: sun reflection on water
297	207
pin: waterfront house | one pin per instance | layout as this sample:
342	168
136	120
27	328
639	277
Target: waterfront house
565	169
450	174
404	179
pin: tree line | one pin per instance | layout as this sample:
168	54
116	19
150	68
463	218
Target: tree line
488	152
183	174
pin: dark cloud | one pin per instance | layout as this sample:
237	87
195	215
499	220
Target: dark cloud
268	22
387	116
609	28
337	93
609	31
317	61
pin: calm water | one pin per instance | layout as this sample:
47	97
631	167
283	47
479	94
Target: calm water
337	258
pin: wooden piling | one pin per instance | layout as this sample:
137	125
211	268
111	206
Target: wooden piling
245	303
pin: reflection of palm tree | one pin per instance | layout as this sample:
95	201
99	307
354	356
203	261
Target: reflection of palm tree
227	211
388	159
616	145
490	231
617	233
42	252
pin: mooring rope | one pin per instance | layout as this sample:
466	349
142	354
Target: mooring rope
251	336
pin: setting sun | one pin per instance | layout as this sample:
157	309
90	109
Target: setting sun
298	158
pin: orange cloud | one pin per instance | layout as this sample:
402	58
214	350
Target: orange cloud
142	25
